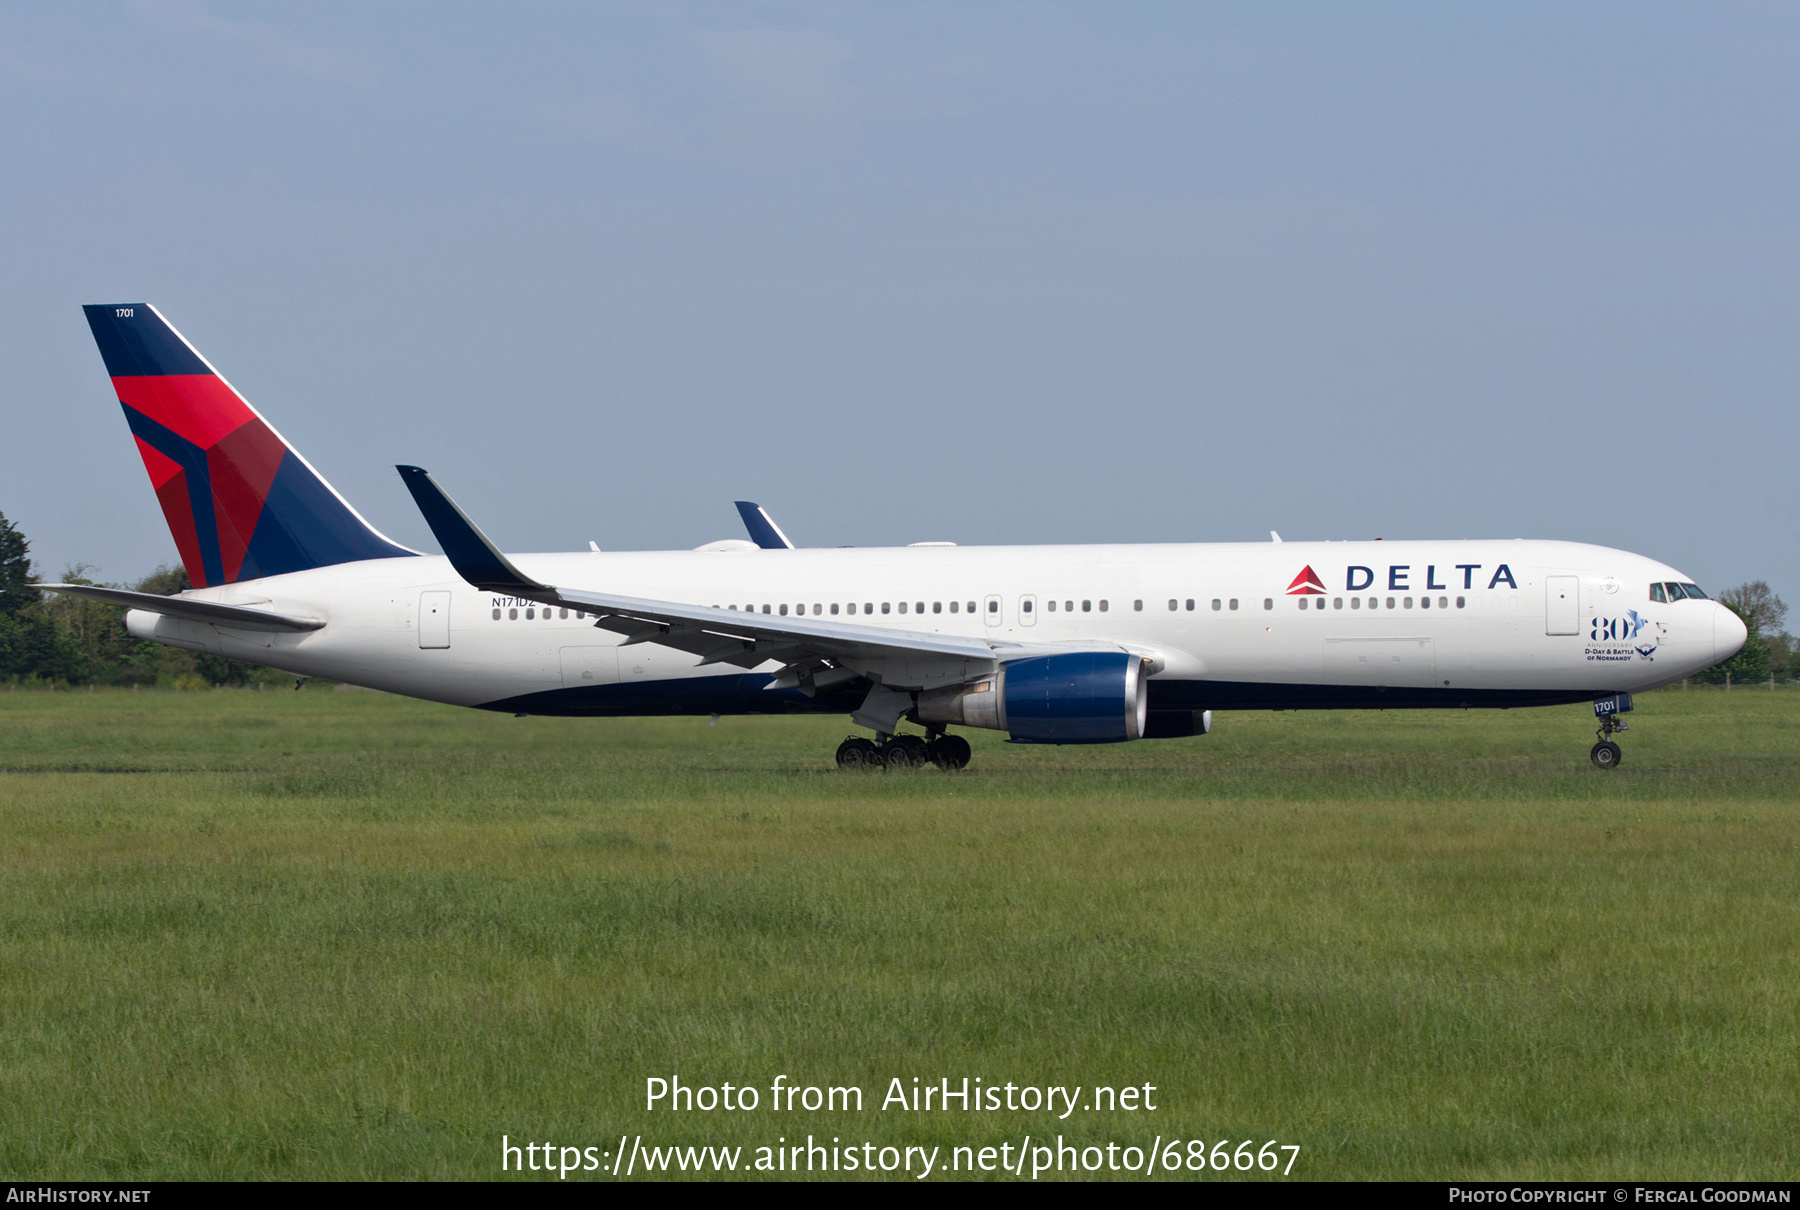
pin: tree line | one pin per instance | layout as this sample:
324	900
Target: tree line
58	639
55	639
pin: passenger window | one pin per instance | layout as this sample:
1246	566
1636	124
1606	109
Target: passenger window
562	613
953	607
1068	607
1356	602
834	609
1459	602
1217	604
496	615
993	607
766	609
937	607
1657	594
1337	602
1231	604
1268	602
850	608
1087	607
1051	605
1024	606
1375	602
1424	602
1443	602
884	607
918	607
530	614
1137	606
903	607
971	607
1103	605
512	615
869	607
1171	604
784	610
1390	602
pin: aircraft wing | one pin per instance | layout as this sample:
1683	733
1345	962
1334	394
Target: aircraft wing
807	646
241	616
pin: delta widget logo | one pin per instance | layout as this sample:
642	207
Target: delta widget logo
1306	584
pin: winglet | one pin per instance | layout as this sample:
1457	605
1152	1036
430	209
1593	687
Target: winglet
763	530
476	559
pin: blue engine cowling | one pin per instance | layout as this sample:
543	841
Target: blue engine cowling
1083	697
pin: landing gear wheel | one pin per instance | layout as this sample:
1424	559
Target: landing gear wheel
949	752
904	752
1606	755
858	754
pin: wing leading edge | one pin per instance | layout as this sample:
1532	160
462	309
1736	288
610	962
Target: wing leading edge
815	652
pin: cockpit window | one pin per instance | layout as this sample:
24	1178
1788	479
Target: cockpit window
1657	594
1675	593
1694	593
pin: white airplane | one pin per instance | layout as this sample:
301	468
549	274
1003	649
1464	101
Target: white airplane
1049	644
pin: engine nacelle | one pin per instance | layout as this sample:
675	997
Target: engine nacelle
1079	697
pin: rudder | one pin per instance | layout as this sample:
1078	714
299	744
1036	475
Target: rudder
240	501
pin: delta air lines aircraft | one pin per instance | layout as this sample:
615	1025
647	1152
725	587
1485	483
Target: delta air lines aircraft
1048	644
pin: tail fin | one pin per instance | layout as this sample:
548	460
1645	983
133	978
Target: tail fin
241	502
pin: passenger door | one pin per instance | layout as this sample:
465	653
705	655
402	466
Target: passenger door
1562	605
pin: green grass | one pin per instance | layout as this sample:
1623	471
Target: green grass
343	935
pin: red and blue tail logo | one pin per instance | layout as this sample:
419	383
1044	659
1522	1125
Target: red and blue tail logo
239	500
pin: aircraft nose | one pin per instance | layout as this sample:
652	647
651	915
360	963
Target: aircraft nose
1729	633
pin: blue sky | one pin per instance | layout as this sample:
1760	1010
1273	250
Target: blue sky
978	272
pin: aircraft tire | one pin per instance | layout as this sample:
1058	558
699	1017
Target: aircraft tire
857	755
905	752
1606	755
950	753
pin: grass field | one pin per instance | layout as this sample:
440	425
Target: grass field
342	935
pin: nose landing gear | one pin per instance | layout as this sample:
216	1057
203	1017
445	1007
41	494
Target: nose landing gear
1605	754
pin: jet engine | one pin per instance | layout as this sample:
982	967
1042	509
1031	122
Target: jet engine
1077	697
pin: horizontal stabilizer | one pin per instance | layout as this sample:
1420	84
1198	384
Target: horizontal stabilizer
239	616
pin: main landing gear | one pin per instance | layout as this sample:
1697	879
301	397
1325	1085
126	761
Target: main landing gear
947	752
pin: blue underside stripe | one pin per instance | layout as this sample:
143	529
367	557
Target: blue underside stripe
694	696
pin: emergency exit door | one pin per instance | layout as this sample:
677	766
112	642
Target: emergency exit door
434	619
1562	605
